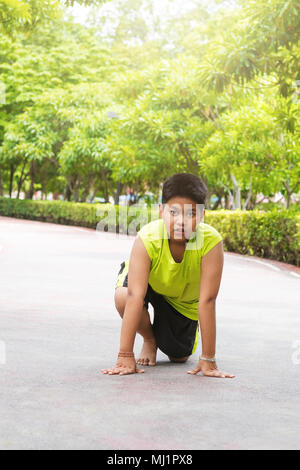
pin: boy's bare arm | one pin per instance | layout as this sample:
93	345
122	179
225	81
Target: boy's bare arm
211	275
138	275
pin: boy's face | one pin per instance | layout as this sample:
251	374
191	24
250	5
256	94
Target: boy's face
181	215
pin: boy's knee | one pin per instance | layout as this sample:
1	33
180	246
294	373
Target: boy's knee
178	359
120	300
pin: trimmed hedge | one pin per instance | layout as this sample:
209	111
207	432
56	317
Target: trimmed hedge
273	235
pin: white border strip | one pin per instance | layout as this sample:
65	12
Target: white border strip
269	265
294	274
276	268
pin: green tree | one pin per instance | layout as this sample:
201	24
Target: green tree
58	89
27	14
263	41
85	161
252	154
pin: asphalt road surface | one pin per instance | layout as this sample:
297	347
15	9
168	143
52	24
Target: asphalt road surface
59	328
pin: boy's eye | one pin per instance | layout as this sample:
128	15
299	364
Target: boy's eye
187	214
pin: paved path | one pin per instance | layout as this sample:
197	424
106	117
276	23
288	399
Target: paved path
59	328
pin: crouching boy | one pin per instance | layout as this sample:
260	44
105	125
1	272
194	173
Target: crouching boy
175	264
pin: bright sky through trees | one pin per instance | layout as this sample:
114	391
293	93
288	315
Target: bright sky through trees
162	8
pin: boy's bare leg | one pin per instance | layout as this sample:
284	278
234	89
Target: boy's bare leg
149	350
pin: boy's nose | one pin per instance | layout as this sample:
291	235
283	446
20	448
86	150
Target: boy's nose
179	227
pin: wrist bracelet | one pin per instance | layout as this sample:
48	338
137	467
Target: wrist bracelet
201	358
126	354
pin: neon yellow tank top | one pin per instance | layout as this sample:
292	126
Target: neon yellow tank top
179	283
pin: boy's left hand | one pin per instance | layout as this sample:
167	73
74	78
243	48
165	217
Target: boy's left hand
209	369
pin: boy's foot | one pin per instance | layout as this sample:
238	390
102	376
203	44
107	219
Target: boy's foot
148	353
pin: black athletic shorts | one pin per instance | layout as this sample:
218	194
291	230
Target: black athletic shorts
175	335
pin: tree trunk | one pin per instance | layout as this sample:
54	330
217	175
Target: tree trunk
216	204
44	192
245	206
289	192
229	199
208	196
22	178
76	190
32	181
68	193
11	179
237	192
286	184
118	193
86	191
20	182
70	187
252	201
93	195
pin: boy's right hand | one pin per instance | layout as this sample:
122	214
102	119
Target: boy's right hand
124	366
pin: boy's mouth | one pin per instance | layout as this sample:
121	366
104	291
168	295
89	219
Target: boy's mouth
178	232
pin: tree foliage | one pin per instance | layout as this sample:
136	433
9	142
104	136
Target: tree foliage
18	14
89	110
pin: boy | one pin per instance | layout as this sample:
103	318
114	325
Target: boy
175	264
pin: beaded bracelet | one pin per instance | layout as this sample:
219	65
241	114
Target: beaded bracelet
213	359
126	354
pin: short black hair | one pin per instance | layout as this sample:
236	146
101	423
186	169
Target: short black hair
184	185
